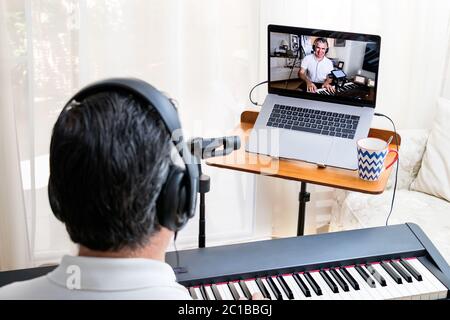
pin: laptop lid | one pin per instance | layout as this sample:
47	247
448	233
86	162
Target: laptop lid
347	60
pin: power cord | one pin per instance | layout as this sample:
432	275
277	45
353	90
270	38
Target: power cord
178	269
250	94
397	164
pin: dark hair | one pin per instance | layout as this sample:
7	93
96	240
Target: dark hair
109	157
321	40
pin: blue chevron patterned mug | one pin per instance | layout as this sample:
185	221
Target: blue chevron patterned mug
372	153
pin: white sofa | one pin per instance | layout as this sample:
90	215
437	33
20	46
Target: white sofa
356	210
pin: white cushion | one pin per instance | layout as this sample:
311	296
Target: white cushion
434	175
411	154
430	213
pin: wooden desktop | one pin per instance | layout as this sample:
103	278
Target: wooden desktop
299	170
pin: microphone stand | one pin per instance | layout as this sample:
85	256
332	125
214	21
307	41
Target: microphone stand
204	187
203	149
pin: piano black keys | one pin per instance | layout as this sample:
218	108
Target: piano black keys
262	288
411	270
376	275
285	287
313	283
401	271
391	272
349	278
205	294
216	292
234	291
245	289
274	288
339	280
325	283
329	281
302	285
193	293
365	276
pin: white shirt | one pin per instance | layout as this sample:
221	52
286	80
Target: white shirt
101	278
317	71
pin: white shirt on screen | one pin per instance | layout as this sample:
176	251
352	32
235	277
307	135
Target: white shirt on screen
317	71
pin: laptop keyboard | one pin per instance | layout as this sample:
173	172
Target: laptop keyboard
315	121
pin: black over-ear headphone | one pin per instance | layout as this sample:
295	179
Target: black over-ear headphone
321	40
177	200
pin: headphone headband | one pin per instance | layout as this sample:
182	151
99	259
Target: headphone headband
168	114
320	39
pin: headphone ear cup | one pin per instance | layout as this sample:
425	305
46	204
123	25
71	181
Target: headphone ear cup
171	206
54	200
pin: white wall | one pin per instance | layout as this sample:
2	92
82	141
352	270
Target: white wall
411	76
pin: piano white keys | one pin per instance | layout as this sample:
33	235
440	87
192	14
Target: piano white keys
364	288
441	290
209	293
382	291
269	290
391	285
296	291
347	294
237	295
327	293
423	288
373	282
357	294
224	291
348	277
287	290
198	293
252	286
369	284
420	290
432	283
302	285
347	86
352	293
316	291
239	290
280	289
193	293
407	280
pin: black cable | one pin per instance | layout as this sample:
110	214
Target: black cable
178	268
250	94
397	164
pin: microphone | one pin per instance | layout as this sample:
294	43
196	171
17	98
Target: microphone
204	148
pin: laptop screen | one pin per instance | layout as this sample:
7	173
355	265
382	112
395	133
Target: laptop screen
332	66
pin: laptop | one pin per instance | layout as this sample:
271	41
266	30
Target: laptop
322	87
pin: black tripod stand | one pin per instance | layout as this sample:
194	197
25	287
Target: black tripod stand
204	148
204	187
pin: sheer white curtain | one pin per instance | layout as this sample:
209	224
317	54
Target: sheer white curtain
203	53
14	249
414	71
